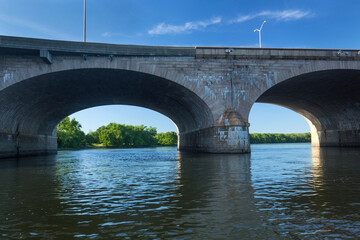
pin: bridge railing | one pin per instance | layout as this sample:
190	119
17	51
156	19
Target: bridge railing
32	46
277	53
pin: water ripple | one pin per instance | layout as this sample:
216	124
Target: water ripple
283	191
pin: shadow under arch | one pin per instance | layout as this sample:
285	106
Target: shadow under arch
33	107
329	100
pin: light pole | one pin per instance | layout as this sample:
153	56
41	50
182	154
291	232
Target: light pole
259	30
84	20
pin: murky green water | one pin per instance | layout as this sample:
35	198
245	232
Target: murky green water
280	191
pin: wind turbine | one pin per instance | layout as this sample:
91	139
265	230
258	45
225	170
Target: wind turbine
259	30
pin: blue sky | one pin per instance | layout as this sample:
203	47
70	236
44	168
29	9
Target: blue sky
300	24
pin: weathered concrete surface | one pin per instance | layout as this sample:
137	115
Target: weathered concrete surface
234	139
207	92
14	145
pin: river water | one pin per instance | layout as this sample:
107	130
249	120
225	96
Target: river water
280	191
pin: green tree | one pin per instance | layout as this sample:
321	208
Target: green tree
167	139
69	134
279	137
121	135
91	138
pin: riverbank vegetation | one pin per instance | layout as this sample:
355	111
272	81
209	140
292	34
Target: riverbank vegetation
115	135
279	137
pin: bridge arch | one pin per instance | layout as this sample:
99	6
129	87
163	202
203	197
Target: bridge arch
328	99
32	108
214	88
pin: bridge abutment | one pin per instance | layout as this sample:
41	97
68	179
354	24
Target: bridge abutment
217	139
336	138
15	145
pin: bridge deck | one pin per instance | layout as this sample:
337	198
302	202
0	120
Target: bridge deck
32	46
24	46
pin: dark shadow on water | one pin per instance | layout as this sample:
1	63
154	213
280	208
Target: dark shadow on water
35	161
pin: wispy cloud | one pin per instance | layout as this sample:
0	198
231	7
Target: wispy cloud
33	26
164	28
112	34
107	34
285	15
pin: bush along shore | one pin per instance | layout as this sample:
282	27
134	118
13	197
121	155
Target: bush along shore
279	137
114	135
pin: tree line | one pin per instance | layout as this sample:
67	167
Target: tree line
70	135
118	135
279	137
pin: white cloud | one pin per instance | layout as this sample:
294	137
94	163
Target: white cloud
285	15
164	28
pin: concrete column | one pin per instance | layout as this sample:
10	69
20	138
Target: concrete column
217	139
15	145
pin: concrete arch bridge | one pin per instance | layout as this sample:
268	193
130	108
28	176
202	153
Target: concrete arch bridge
207	92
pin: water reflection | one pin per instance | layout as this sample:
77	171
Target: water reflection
281	191
336	179
168	195
27	185
335	175
217	197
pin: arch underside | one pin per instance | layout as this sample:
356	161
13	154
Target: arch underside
33	107
330	100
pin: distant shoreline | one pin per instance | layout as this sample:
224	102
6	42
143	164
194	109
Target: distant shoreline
255	138
103	147
85	148
261	138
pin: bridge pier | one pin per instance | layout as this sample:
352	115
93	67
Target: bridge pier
217	139
15	145
335	138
